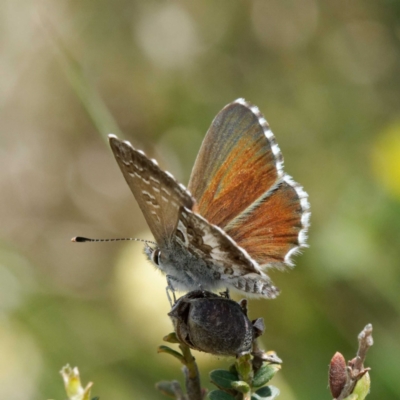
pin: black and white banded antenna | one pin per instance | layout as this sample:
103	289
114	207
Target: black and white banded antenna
81	239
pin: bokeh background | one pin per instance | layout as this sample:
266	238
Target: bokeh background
325	74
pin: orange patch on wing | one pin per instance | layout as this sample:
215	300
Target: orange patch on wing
271	230
247	173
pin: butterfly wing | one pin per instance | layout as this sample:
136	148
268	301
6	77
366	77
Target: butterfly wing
167	207
240	186
273	228
236	165
221	255
158	194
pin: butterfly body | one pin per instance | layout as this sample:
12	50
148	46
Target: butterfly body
243	214
185	270
190	267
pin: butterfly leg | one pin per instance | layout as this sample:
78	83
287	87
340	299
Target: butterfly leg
225	294
243	305
170	288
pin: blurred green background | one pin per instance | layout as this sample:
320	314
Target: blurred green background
326	76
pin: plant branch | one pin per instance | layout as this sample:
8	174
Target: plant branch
355	370
192	376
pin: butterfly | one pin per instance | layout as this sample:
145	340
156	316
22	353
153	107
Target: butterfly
240	215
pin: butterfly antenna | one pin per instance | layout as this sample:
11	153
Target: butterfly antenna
81	239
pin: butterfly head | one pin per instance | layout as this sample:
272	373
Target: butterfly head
153	254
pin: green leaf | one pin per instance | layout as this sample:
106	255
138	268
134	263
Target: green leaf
223	379
362	387
168	350
220	395
245	367
266	393
352	397
171	338
241	386
265	374
233	369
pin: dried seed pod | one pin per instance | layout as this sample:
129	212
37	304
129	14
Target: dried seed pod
214	324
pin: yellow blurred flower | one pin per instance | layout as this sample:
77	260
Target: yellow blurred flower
386	159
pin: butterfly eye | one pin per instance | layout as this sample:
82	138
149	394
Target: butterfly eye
155	257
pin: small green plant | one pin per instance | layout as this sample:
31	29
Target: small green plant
73	386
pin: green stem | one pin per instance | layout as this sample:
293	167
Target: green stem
192	376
